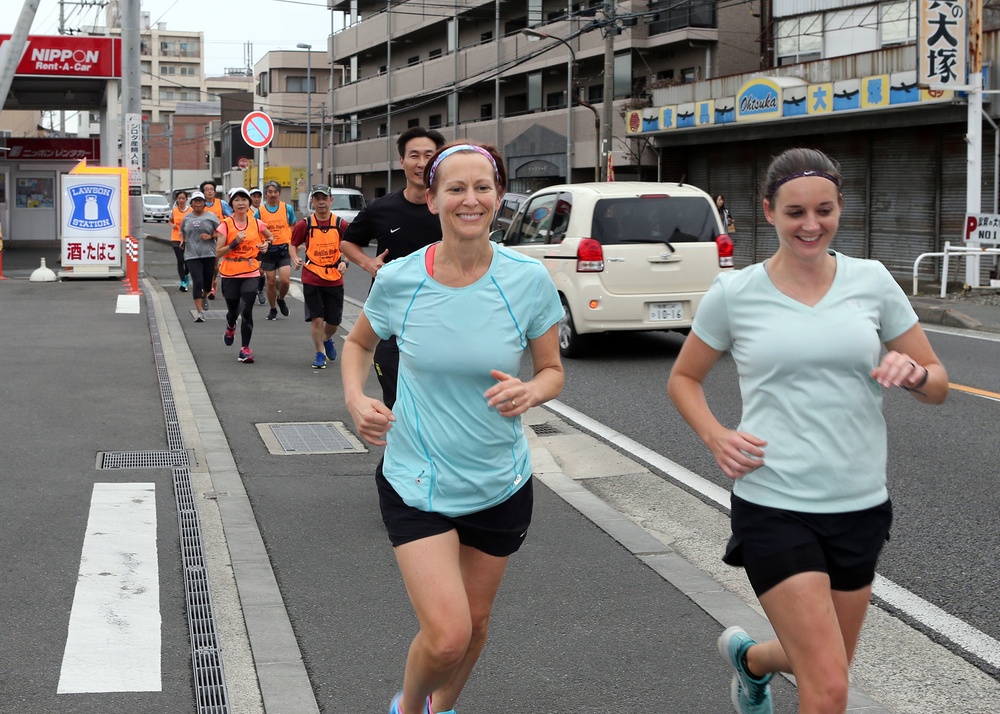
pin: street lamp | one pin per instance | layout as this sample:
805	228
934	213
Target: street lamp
309	142
570	83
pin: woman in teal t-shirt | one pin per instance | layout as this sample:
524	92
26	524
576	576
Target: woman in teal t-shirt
455	483
810	512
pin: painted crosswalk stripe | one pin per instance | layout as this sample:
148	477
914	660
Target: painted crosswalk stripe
113	643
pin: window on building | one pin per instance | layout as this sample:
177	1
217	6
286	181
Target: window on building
623	75
672	15
688	75
381	130
486	111
297	85
486	36
263	80
534	91
168	69
187	70
897	22
800	39
189	95
665	74
515	104
413	60
146	93
534	12
434	121
595	93
167	95
410	123
554	100
434	54
145	68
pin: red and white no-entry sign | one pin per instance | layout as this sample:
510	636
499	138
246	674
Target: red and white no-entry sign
258	129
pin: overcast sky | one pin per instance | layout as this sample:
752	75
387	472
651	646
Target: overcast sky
228	26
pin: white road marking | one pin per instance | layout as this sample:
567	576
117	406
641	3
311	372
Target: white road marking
113	643
960	633
127	305
962	332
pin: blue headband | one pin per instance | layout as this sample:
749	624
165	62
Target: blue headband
454	150
778	183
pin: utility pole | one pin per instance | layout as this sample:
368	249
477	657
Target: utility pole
322	125
133	133
10	55
610	30
974	130
170	119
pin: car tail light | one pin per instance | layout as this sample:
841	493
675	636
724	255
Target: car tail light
725	245
589	256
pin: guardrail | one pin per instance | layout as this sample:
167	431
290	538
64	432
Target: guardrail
950	250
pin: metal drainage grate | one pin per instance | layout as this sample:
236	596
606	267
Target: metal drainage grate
109	460
290	438
210	314
545	429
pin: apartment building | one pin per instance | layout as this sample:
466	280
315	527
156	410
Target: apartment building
470	71
293	88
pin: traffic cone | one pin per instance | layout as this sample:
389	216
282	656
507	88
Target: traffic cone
42	274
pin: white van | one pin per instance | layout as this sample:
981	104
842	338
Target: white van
346	203
625	255
155	207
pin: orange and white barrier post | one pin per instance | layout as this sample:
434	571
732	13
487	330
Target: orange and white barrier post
132	264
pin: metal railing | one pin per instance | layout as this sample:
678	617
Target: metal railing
949	250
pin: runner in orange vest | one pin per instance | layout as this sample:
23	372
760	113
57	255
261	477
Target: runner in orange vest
180	209
241	240
221	210
322	272
279	218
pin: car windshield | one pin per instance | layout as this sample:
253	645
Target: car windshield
155	201
654	219
346	202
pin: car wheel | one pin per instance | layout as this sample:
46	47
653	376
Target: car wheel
571	342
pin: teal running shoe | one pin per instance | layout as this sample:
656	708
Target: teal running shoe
749	694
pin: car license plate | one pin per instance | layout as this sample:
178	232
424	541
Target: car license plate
662	311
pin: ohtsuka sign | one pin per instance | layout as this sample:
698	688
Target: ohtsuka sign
258	129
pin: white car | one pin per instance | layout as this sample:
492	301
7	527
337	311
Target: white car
623	255
155	207
346	203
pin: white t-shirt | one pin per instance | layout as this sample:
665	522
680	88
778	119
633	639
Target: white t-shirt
805	382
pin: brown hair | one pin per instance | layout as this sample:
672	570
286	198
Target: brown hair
795	163
473	146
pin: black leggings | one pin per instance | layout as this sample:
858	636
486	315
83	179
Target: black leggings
182	269
244	307
202	271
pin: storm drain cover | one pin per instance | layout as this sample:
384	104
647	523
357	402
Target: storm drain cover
143	459
326	437
210	314
545	429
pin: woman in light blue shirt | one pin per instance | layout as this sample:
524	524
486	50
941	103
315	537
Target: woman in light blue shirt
810	511
455	483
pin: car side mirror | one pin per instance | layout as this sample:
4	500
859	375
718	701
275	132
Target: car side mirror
497	235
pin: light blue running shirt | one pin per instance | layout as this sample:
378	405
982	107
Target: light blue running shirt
447	451
805	382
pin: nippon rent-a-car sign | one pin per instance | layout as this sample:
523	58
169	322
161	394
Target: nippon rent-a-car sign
68	56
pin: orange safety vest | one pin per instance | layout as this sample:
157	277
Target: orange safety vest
323	249
216	208
277	223
243	258
175	223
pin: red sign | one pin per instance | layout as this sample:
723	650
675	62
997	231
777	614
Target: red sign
258	129
69	56
243	162
26	149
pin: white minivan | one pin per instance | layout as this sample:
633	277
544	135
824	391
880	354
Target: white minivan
624	255
155	207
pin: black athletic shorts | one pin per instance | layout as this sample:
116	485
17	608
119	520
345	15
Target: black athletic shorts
774	544
276	257
498	531
235	288
324	301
